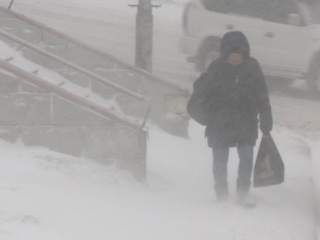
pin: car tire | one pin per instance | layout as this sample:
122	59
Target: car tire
313	78
207	53
209	58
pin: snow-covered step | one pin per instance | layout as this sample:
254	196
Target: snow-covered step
40	112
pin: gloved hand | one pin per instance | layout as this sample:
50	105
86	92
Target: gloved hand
266	122
265	130
266	135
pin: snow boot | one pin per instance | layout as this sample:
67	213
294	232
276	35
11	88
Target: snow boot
222	191
247	201
244	198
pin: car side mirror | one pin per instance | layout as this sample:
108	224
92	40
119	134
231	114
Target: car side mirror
294	19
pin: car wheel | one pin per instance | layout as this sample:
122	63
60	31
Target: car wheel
208	52
209	58
313	80
317	82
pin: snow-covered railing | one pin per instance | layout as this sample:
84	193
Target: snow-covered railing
74	67
167	100
69	94
37	110
46	30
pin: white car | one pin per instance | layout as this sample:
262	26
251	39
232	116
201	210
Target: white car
284	35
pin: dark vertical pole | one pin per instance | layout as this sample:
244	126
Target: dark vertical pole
144	32
10	4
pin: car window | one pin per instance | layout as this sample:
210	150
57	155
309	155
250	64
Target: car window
270	10
222	6
279	11
250	8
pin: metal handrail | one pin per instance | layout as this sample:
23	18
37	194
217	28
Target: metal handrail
183	91
81	70
71	65
68	95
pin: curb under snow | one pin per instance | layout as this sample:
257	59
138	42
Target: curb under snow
315	182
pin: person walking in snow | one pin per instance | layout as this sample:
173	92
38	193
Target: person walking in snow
238	96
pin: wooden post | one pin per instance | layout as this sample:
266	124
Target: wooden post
144	35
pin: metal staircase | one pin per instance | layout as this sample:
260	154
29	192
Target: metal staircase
63	94
44	109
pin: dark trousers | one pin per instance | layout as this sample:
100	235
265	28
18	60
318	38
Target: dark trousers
220	164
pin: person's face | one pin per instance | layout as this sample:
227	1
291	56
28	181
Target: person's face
235	59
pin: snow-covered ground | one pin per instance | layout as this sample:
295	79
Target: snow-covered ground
46	195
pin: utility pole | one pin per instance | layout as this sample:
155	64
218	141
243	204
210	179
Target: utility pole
144	34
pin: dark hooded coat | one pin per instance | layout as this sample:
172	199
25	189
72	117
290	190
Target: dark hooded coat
238	95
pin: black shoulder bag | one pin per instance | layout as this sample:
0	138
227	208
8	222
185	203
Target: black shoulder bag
198	106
